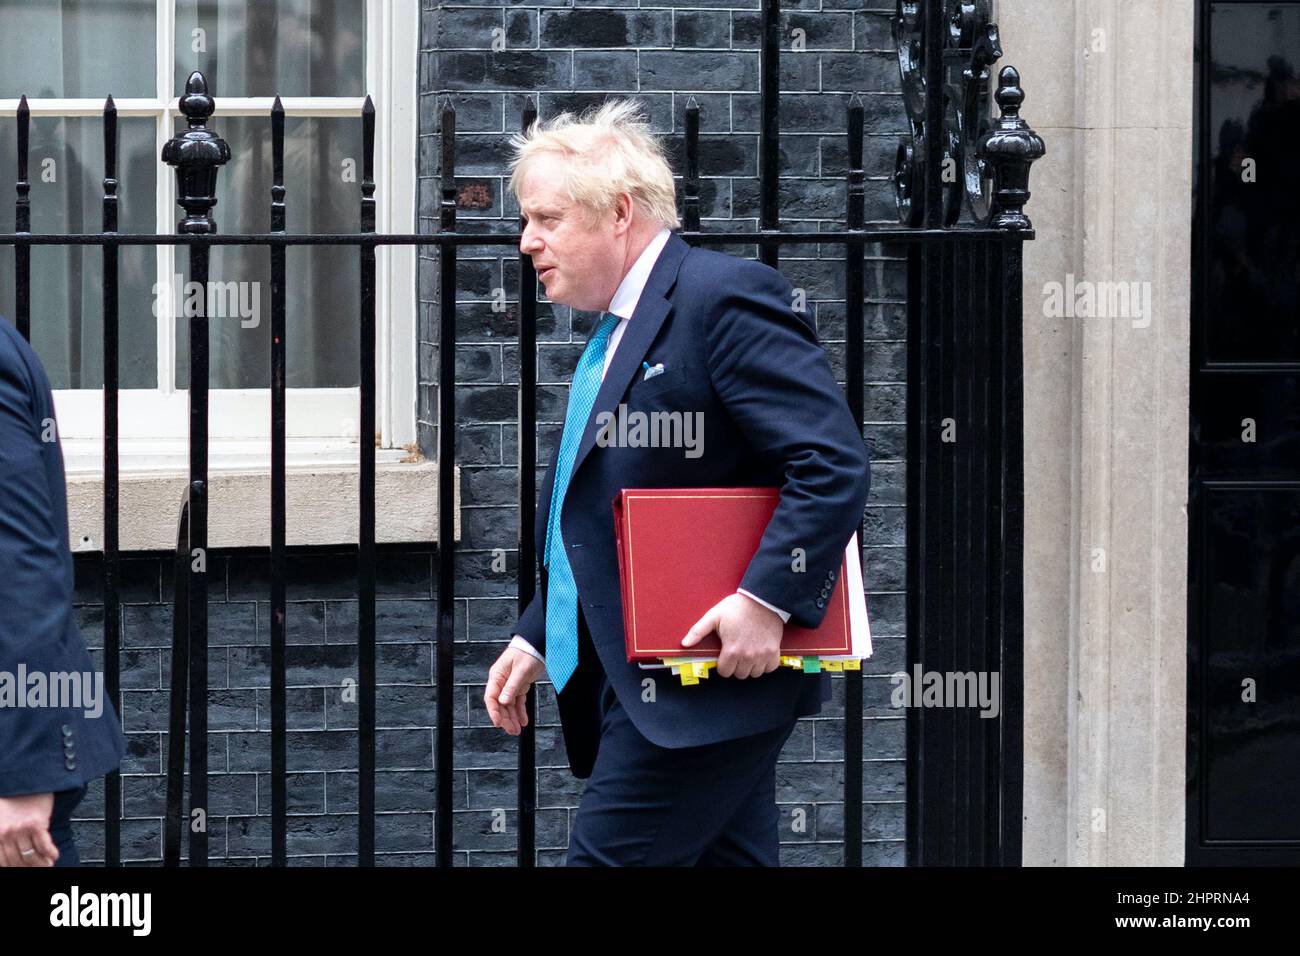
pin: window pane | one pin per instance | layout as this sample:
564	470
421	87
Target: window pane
77	48
273	47
66	170
323	282
1254	227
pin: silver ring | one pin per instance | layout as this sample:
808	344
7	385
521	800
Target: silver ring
26	852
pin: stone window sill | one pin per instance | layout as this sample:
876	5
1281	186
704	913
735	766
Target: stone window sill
321	494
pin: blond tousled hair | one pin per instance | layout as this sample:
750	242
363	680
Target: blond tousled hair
607	151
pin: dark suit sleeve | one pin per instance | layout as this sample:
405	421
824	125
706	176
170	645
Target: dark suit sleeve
532	623
34	588
776	383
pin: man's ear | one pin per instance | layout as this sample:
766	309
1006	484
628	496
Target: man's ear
623	212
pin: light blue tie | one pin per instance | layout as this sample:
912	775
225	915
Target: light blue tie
561	590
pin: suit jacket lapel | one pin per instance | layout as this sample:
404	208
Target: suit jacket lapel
647	318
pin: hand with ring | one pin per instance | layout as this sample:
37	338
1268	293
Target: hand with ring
25	830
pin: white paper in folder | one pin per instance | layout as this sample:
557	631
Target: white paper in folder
859	624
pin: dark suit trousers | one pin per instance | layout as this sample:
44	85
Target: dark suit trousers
65	801
646	805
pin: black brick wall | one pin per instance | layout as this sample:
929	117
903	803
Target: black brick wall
574	55
322	752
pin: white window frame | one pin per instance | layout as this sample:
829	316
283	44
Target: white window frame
392	42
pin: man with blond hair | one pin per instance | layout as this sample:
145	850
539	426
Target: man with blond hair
676	775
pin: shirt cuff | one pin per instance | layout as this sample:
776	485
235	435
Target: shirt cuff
785	615
527	648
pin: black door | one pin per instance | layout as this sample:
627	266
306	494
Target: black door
1243	767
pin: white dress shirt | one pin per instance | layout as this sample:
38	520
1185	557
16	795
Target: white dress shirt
623	305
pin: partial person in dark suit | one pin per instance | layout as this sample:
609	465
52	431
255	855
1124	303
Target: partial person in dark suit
676	775
58	729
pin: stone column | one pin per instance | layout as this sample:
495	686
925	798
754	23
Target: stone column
1109	86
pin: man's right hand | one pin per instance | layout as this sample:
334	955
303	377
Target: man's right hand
25	825
506	694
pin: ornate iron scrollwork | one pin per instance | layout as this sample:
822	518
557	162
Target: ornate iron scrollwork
909	41
973	174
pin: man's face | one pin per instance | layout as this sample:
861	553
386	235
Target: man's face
578	262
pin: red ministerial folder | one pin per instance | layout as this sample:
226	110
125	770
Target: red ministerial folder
682	550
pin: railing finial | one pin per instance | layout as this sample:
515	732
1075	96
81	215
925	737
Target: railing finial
196	104
1010	149
197	154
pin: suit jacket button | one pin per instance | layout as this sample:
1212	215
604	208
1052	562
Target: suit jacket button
67	731
70	763
821	602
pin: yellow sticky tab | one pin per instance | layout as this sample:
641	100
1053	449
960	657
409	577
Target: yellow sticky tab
792	662
832	665
688	677
853	665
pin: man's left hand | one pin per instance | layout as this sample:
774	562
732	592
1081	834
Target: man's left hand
750	635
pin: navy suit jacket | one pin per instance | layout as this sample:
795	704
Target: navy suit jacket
733	349
42	749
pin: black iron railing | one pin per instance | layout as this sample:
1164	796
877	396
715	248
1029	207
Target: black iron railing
961	183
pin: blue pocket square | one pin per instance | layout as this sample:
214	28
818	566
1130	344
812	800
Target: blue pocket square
652	370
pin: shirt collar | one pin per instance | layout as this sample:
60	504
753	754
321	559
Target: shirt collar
629	290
